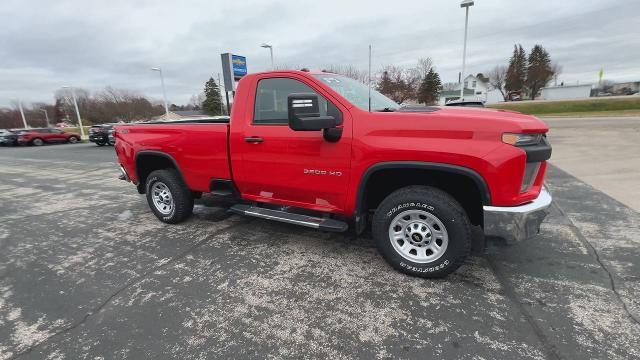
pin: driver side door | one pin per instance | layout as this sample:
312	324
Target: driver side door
283	166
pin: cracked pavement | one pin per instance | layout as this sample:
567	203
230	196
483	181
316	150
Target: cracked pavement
87	271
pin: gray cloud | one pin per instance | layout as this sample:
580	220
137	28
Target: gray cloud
47	44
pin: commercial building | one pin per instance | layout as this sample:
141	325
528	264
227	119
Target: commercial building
566	92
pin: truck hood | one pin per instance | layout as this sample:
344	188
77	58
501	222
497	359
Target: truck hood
469	119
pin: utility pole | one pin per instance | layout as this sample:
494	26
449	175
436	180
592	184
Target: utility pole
46	115
75	104
466	4
24	120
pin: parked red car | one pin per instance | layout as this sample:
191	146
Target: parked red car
324	151
38	137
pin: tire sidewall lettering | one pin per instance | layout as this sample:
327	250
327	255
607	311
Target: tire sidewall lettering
441	266
407	205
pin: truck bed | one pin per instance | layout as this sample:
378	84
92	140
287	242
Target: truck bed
197	146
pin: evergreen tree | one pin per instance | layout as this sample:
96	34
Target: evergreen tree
539	71
429	91
517	70
385	85
212	103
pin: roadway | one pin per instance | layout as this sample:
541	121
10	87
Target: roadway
87	271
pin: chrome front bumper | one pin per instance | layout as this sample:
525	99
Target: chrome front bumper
515	223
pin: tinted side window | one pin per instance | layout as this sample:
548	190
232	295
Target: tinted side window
271	100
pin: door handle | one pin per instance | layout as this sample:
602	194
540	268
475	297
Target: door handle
253	139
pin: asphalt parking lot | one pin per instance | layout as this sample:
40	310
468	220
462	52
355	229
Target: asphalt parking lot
87	271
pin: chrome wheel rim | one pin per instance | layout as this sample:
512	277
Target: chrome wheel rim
418	236
162	199
37	142
73	140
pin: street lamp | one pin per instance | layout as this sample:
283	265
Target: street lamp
75	104
270	47
164	92
466	4
46	115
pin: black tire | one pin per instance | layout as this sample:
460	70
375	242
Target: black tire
181	199
101	143
428	201
37	142
73	139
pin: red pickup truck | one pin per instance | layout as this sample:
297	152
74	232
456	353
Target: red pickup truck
319	150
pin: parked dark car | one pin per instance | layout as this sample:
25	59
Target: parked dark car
8	138
99	134
40	136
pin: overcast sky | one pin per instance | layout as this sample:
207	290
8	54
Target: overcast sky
93	44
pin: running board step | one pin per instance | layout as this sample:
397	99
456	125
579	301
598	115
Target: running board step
291	218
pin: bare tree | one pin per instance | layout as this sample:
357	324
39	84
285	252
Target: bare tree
450	86
424	66
397	83
497	77
401	83
350	71
10	118
196	101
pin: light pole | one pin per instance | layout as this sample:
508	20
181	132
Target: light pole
270	47
46	115
466	4
24	120
164	92
75	104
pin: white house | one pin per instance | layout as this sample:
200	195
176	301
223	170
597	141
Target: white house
479	87
474	89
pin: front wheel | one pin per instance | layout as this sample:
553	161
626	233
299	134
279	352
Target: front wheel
168	196
422	231
73	140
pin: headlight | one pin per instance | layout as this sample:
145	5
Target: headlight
521	139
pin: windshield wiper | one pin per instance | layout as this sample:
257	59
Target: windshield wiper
387	109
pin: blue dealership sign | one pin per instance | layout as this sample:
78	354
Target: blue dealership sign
239	64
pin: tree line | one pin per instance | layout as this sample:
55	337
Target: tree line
108	105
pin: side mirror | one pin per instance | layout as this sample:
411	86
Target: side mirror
304	113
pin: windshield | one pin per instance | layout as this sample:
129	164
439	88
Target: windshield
358	93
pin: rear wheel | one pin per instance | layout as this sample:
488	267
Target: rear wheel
168	196
37	142
74	140
422	231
